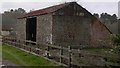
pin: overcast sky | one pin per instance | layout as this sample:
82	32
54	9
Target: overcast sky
94	6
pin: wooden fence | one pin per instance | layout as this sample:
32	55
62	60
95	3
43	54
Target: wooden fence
65	56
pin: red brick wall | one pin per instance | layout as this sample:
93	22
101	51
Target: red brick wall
99	34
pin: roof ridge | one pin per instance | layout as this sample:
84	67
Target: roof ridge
46	10
66	3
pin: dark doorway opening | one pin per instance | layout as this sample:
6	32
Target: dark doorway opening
31	29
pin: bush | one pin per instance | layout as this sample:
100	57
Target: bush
116	41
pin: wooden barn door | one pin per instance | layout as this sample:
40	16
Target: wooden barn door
31	29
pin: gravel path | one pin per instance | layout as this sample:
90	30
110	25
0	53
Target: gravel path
6	63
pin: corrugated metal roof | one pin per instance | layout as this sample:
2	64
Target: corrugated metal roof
45	10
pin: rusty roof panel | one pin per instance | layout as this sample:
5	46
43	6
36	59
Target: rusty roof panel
45	10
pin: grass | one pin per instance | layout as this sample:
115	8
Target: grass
97	49
0	52
104	51
22	58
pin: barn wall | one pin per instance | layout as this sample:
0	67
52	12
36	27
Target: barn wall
44	28
73	9
71	26
74	25
21	29
100	36
71	30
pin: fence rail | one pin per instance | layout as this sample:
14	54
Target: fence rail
64	55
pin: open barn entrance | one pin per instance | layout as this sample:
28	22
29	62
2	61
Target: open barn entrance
31	29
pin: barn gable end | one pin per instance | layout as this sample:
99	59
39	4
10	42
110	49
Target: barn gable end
66	24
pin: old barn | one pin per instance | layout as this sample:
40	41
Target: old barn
67	23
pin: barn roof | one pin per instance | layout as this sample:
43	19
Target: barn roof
46	10
53	9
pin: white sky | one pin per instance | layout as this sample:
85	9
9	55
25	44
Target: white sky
94	6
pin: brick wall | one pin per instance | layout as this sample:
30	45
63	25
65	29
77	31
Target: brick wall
100	36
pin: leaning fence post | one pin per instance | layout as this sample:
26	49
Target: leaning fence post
69	60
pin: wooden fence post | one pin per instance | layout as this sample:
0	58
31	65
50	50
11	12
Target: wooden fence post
79	53
69	60
61	53
48	51
23	45
29	47
14	42
37	45
9	41
18	43
38	48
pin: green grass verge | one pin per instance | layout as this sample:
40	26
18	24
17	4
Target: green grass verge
97	49
0	52
22	58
